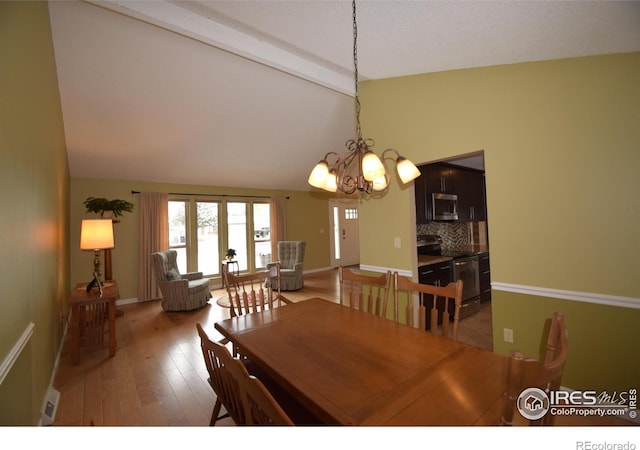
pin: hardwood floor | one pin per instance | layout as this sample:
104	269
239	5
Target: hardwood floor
158	377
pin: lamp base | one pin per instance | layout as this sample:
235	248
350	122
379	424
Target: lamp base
95	283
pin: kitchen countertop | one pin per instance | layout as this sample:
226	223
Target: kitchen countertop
425	260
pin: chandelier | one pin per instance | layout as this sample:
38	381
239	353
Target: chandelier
360	169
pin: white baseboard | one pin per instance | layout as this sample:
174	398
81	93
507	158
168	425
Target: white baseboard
126	301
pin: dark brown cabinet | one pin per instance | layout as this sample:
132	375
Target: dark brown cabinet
467	184
471	196
438	274
485	277
441	178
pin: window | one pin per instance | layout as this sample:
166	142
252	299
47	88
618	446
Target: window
202	230
178	232
350	213
237	236
262	234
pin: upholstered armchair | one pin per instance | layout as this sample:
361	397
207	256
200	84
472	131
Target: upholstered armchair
291	259
180	292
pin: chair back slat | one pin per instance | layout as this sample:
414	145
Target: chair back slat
254	292
545	374
366	292
442	302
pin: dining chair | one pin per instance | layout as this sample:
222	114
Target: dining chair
245	398
227	393
369	293
260	407
253	292
442	302
523	373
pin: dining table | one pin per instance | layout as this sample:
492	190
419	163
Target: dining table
351	368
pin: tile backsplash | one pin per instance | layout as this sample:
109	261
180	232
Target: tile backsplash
455	235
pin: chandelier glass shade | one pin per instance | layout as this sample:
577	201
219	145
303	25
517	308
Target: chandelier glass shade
360	169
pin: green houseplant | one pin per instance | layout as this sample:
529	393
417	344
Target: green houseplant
101	206
230	254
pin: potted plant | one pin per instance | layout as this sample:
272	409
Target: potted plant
106	208
230	254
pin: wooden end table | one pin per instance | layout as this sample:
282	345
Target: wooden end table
224	266
90	313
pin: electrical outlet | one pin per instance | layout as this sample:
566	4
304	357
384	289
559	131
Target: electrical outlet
396	242
508	335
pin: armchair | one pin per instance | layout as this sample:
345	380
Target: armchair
180	292
291	259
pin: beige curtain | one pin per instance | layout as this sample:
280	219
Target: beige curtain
154	237
278	210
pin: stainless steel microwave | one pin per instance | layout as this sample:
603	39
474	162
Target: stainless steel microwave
444	206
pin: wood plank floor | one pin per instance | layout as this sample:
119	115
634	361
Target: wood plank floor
158	377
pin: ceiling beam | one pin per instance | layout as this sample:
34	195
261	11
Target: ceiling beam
209	31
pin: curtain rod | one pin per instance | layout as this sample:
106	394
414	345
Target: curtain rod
216	195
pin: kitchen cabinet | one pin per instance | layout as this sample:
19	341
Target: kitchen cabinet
434	178
467	184
438	274
485	277
441	178
471	196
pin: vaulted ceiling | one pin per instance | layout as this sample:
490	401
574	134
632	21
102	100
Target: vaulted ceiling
254	93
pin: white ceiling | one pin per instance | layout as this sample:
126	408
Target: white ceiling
254	93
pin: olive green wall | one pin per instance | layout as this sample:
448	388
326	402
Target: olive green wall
34	182
307	220
560	141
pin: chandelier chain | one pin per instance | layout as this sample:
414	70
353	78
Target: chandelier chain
348	173
355	66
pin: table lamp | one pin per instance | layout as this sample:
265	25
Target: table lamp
96	235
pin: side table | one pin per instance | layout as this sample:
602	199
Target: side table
90	313
225	266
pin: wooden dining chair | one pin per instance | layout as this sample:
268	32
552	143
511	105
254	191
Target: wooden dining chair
260	407
227	393
253	292
245	398
442	302
523	373
369	293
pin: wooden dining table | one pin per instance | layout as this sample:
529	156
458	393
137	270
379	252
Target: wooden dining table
352	368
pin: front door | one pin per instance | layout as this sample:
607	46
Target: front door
345	238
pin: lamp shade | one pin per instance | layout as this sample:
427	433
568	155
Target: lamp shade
406	170
96	234
331	182
319	174
372	167
380	184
